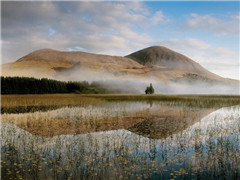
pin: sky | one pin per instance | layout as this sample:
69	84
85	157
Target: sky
207	32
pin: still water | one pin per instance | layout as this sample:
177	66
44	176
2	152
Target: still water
126	140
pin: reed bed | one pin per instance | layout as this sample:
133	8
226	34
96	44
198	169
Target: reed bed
207	150
32	103
120	137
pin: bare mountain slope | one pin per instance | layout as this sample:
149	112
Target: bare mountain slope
162	57
66	59
156	63
48	62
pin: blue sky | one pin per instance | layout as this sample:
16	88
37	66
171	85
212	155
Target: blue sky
202	7
207	32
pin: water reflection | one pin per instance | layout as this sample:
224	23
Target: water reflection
176	143
153	120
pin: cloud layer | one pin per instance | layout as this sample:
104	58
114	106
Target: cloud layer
95	27
227	26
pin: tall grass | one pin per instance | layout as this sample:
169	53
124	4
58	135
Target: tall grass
207	150
31	103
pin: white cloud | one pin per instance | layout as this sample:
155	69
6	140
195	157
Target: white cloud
228	25
97	27
186	44
157	17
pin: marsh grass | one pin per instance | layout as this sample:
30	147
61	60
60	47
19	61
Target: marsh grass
204	101
206	150
121	137
33	103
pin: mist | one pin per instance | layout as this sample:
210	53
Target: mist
133	84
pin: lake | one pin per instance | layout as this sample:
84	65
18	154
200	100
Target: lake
123	140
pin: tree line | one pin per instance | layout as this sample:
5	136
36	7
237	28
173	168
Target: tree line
26	85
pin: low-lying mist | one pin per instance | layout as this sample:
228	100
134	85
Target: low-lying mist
127	83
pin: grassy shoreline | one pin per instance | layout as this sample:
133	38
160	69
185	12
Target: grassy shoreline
44	102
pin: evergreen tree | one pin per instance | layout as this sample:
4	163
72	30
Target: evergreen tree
149	89
25	85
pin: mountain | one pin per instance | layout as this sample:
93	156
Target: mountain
152	64
164	58
50	62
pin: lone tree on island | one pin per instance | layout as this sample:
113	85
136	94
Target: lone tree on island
149	89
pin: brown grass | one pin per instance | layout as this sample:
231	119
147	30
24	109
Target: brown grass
32	103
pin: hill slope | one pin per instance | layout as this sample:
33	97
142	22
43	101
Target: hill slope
48	62
158	56
153	64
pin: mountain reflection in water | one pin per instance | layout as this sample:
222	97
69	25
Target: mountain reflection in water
127	140
154	120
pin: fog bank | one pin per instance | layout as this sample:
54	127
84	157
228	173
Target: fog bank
127	83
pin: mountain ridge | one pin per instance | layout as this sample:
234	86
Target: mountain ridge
156	62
